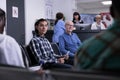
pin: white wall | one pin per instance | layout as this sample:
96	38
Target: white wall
3	5
94	11
34	9
65	6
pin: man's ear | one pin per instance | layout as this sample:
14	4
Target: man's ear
112	11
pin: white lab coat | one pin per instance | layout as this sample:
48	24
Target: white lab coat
94	26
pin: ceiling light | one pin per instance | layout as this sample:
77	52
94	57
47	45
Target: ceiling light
106	2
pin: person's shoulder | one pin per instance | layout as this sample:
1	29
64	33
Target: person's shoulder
93	25
35	38
6	37
2	37
63	35
61	22
8	40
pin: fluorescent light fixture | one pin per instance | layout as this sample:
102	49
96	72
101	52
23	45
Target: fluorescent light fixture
106	2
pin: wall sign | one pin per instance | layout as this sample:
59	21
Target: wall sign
14	12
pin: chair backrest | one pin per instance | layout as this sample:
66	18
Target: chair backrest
32	60
56	48
81	75
15	73
25	56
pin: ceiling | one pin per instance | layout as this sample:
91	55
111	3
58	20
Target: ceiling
91	4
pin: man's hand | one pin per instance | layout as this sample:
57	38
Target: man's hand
66	57
61	60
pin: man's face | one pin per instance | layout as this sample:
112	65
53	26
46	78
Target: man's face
69	26
42	27
98	19
2	24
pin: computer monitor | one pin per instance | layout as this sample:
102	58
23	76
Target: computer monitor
82	26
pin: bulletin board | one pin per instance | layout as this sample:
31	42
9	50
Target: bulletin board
88	18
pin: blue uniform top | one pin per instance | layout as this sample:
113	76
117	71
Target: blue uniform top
59	29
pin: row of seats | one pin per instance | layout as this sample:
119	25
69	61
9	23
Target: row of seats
12	73
53	74
81	75
29	57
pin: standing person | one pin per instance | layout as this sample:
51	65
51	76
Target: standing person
59	27
103	21
103	50
10	52
106	19
42	49
69	42
97	25
77	18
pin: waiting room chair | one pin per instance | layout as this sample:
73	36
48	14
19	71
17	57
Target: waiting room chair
56	49
27	53
25	56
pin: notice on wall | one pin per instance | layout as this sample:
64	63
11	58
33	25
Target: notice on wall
49	9
88	18
15	12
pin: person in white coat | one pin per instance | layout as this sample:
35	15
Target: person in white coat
98	25
10	52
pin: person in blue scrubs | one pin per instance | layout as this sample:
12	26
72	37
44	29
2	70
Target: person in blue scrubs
59	27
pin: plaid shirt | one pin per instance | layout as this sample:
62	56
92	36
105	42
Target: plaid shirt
101	51
42	49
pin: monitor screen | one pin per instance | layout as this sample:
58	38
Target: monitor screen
82	26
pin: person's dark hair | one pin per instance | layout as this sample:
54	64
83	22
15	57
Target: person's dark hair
2	17
79	17
2	13
115	7
59	16
94	19
38	22
74	14
111	11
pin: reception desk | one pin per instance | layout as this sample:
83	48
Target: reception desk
82	34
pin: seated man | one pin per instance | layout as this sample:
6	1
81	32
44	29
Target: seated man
10	52
69	42
42	49
103	50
